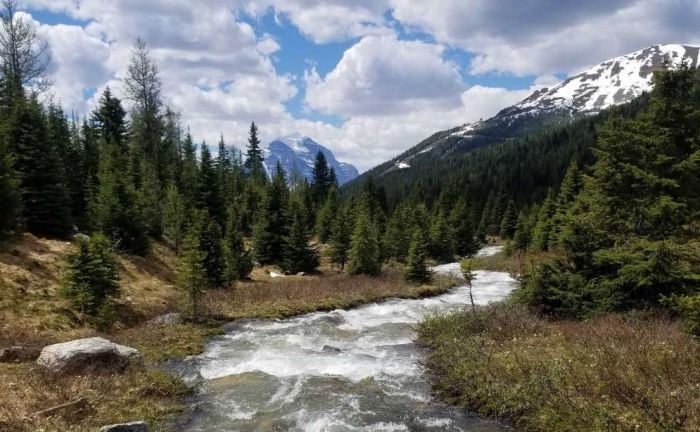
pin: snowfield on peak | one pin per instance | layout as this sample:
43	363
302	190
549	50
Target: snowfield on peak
612	82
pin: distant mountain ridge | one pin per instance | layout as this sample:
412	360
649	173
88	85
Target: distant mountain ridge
297	153
613	82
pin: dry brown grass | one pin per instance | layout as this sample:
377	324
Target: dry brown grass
138	394
515	264
294	295
612	373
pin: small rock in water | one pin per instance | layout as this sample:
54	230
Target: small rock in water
87	355
168	319
126	427
331	349
19	354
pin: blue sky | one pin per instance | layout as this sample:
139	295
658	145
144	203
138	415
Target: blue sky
366	78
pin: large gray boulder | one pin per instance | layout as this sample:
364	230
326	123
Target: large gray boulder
126	427
94	354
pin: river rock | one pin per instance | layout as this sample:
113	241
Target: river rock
168	319
331	349
126	427
87	355
19	354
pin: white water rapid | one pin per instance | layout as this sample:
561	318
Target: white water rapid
344	370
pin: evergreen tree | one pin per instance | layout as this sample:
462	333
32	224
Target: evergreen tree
115	210
192	278
464	232
299	255
238	262
509	221
486	212
340	238
327	215
321	182
364	255
174	214
543	228
272	226
442	242
254	160
149	200
521	237
417	269
189	176
210	244
109	119
44	196
9	193
570	187
92	277
397	236
210	197
629	236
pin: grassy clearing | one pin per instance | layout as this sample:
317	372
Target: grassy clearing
284	297
612	373
31	312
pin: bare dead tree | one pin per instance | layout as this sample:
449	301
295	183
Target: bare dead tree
23	53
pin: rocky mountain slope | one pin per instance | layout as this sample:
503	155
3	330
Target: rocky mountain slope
297	153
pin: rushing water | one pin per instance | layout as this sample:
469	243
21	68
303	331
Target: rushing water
345	370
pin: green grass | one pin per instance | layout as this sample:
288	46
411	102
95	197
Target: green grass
612	373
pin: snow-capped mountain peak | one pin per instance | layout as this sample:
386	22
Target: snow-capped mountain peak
612	82
297	154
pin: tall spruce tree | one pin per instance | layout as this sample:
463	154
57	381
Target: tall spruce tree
272	225
417	269
191	276
340	237
509	221
9	193
254	159
174	217
210	197
442	241
364	256
466	243
45	201
543	228
238	262
327	215
299	255
321	183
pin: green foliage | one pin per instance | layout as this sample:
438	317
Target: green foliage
210	244
543	228
630	237
464	231
364	257
442	238
174	214
9	193
92	276
327	215
321	183
509	221
688	307
238	262
210	192
299	255
417	269
115	209
397	236
254	160
44	195
191	276
272	226
340	237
